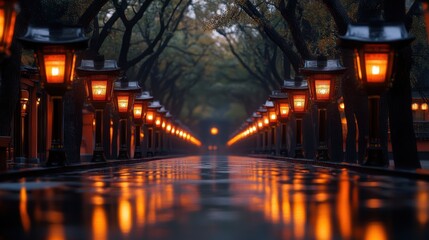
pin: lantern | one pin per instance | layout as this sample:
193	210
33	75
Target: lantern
425	6
297	91
374	47
8	11
141	101
150	122
271	112
124	92
281	104
322	76
55	54
99	75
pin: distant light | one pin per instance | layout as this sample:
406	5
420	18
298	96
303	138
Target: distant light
214	131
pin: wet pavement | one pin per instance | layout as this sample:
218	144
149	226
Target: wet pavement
214	197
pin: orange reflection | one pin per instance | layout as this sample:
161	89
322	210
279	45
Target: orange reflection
422	207
299	215
323	222
125	216
343	205
25	219
56	232
99	223
375	231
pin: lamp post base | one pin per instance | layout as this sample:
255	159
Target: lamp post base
98	156
322	154
299	153
137	154
57	157
123	154
375	158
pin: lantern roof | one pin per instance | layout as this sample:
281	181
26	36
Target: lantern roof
56	35
295	84
277	95
129	86
144	96
376	32
155	105
269	104
162	110
98	65
249	120
256	115
168	115
322	65
261	109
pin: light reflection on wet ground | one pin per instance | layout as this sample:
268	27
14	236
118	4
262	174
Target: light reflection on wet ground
214	197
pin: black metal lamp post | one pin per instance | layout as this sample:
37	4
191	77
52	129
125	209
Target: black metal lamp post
297	91
150	122
99	75
323	76
124	92
8	11
375	46
55	54
271	128
281	104
139	112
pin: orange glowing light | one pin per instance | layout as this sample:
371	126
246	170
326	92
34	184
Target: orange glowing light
414	106
7	24
299	103
137	110
149	117
122	104
376	67
214	131
55	67
323	89
424	106
99	90
284	109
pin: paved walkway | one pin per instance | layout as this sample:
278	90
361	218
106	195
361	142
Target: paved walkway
214	197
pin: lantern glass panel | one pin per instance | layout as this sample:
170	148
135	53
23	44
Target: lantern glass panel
260	123
55	67
415	106
99	90
149	117
299	103
266	120
284	109
158	121
137	110
424	106
376	67
273	116
323	89
123	104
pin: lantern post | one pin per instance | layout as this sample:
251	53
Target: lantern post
297	90
54	50
375	46
281	104
150	123
323	76
139	112
99	75
124	92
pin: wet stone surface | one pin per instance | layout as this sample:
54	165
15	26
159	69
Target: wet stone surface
214	197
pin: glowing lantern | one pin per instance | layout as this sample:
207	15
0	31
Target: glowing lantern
424	106
375	46
55	52
415	106
8	11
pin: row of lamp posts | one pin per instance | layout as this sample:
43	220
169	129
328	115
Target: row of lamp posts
54	50
375	47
